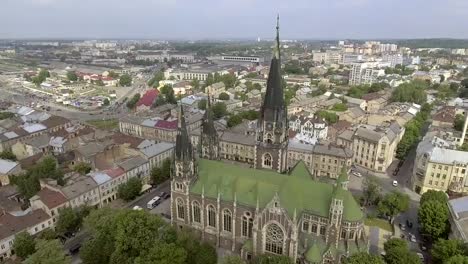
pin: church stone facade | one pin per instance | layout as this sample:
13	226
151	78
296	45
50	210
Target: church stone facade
267	209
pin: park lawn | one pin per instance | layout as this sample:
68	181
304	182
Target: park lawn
108	124
380	223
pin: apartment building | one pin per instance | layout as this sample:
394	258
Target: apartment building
163	56
328	57
437	167
373	146
365	73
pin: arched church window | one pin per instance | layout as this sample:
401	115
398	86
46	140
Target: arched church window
180	209
196	212
274	239
269	138
227	220
267	160
211	216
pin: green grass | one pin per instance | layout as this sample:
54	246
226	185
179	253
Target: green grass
105	124
380	223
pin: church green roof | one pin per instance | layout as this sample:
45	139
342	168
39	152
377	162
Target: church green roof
296	191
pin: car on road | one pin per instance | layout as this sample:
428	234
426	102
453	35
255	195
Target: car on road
420	255
395	183
137	208
412	238
357	174
164	195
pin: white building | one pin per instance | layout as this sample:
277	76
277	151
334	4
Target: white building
309	129
365	73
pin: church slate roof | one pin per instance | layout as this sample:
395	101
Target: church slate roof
183	148
296	191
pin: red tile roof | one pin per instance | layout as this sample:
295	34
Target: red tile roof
148	98
11	224
51	198
164	124
115	172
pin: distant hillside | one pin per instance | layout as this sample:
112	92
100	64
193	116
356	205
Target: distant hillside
433	43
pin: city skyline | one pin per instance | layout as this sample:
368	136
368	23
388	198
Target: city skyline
244	19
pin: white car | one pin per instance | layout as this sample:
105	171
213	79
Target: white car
412	238
395	183
420	255
137	208
357	174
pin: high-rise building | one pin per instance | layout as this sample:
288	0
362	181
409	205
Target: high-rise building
364	73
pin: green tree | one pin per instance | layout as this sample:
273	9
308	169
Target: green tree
113	75
233	260
130	190
71	76
195	83
47	234
458	259
229	80
8	154
340	107
164	254
443	250
219	110
459	122
106	102
125	80
432	195
393	203
68	221
24	245
371	191
6	115
433	219
330	117
82	168
397	252
364	258
132	102
413	92
234	120
154	82
161	174
202	104
464	82
48	252
206	254
223	96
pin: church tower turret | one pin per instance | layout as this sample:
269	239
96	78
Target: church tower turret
272	125
209	141
184	159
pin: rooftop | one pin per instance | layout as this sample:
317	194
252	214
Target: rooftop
51	198
7	165
10	224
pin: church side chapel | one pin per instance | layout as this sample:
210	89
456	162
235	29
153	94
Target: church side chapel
267	209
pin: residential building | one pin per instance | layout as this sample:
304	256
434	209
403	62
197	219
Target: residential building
309	129
7	169
164	56
146	101
458	209
364	73
157	153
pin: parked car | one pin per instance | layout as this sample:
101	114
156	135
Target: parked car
357	174
395	183
164	195
420	255
412	238
137	208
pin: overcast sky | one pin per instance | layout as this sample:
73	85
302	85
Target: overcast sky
223	19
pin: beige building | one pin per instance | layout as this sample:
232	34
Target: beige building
8	168
373	147
438	168
459	218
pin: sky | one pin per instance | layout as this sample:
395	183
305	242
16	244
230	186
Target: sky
233	19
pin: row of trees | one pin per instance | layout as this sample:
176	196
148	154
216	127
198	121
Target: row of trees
330	117
41	77
130	190
166	96
28	182
358	91
236	119
399	69
161	174
8	155
132	102
229	80
154	81
219	108
413	131
412	92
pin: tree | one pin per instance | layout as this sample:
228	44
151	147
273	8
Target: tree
464	82
364	258
233	260
206	254
458	259
68	221
219	110
202	104
6	115
48	252
396	252
413	92
106	102
234	120
113	74
432	195
195	83
125	80
228	79
71	76
371	191
8	154
223	96
82	168
433	218
443	249
393	203
132	102
273	259
47	234
166	168
24	245
459	122
442	78
154	82
340	107
130	190
164	254
330	117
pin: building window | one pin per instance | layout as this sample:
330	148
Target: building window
267	160
351	234
269	138
314	228
211	216
247	225
343	234
323	230
274	239
180	209
305	226
196	212
227	220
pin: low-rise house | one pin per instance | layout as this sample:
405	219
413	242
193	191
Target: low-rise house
146	101
309	129
32	222
233	104
458	209
215	89
50	201
31	146
136	166
445	117
337	128
8	168
157	153
354	115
